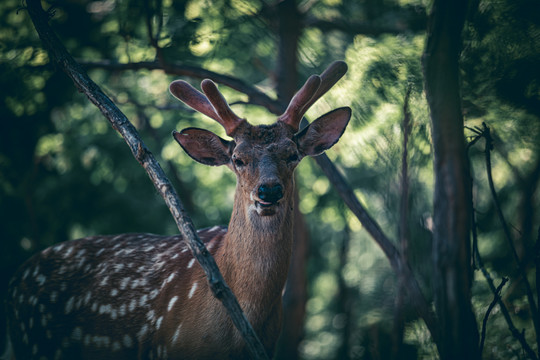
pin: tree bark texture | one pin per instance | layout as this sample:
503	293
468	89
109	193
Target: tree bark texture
457	332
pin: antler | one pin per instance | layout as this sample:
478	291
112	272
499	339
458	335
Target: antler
211	103
315	87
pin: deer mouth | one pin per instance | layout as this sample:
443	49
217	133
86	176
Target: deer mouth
266	208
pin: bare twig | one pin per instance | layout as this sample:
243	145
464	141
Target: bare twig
399	320
496	299
120	123
480	265
537	266
506	229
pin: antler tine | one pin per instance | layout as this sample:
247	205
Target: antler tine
229	119
294	112
193	98
329	78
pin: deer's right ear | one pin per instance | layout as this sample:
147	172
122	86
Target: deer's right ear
204	146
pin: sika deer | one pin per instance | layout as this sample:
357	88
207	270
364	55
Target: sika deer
144	296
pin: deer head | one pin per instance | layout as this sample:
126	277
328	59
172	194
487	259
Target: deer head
263	157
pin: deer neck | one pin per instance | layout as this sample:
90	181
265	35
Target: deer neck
257	251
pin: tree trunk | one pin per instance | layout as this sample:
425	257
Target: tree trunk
458	332
295	295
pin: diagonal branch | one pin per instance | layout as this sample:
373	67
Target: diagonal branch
139	150
338	181
256	97
418	301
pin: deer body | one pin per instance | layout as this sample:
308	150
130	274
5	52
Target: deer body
143	296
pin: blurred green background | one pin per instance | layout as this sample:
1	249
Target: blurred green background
65	173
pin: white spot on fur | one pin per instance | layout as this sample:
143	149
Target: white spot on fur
127	341
76	334
69	305
118	267
135	283
176	334
142	332
151	315
171	303
143	299
192	291
122	310
124	282
41	279
58	248
68	252
132	305
87	297
116	346
153	294
114	292
190	264
105	309
158	322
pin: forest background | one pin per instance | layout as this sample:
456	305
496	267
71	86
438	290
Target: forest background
64	173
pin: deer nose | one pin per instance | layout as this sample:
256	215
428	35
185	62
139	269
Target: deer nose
270	193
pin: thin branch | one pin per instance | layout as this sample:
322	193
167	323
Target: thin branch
408	21
506	229
255	96
480	265
121	124
496	299
399	319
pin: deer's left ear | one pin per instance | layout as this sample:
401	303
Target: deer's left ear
324	132
203	146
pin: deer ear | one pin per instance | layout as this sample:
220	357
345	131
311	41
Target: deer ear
324	132
203	146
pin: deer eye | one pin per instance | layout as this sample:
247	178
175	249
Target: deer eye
238	162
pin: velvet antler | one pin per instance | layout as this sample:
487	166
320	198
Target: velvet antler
211	103
315	87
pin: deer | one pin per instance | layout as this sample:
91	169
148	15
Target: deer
143	296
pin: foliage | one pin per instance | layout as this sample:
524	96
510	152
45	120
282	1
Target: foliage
65	174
